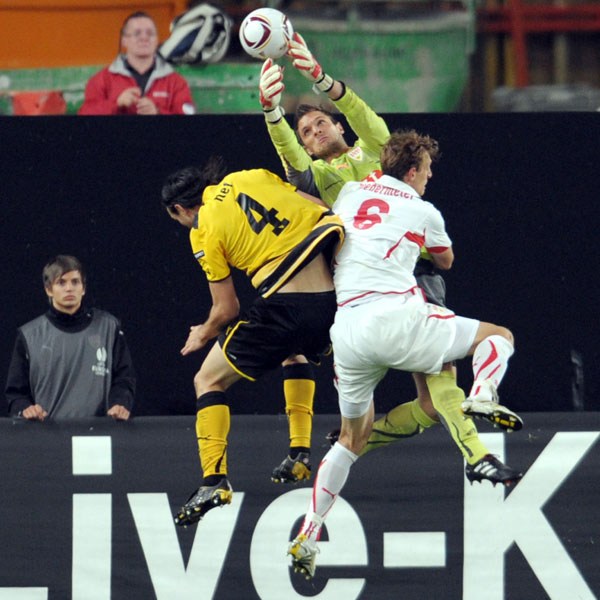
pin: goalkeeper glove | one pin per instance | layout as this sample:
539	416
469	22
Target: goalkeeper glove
307	64
270	86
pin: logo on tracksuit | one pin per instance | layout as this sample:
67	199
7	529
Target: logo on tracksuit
100	368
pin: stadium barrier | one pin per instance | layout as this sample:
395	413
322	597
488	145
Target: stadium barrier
87	514
216	89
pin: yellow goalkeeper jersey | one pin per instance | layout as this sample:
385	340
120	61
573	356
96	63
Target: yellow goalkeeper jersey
254	221
323	179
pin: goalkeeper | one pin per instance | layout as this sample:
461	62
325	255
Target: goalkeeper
318	160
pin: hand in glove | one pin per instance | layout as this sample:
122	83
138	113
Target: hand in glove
270	86
307	64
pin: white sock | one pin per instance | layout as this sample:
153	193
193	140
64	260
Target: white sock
490	361
329	481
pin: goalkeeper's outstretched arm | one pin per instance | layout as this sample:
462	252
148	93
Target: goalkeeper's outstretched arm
294	158
303	60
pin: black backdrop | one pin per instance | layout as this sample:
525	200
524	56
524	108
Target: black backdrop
518	192
415	486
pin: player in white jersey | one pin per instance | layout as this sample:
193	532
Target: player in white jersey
383	320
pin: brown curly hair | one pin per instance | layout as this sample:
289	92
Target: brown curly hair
404	150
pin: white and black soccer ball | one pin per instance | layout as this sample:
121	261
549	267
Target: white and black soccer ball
266	33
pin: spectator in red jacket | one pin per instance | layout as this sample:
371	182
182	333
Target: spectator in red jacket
139	82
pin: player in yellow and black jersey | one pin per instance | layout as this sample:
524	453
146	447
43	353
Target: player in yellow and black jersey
253	221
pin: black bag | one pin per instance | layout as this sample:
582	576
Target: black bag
199	35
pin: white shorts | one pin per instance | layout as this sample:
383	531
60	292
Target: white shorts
397	332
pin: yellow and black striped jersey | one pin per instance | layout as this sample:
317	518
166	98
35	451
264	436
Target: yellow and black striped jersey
252	220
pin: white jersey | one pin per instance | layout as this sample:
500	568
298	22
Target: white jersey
387	223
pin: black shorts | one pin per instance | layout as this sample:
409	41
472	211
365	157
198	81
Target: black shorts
434	288
431	282
277	327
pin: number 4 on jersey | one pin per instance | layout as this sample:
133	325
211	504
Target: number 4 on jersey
267	216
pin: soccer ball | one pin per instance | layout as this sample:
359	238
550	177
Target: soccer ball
265	33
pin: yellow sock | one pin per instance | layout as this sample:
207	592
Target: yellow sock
402	421
447	398
212	428
420	416
299	395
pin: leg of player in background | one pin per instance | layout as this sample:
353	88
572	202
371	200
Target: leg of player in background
299	393
480	463
405	420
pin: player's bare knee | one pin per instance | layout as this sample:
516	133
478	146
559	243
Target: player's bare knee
202	384
488	329
211	379
506	333
295	359
199	384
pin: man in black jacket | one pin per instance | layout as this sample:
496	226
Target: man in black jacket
70	362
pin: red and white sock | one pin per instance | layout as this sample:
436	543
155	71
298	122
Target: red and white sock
490	361
331	477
